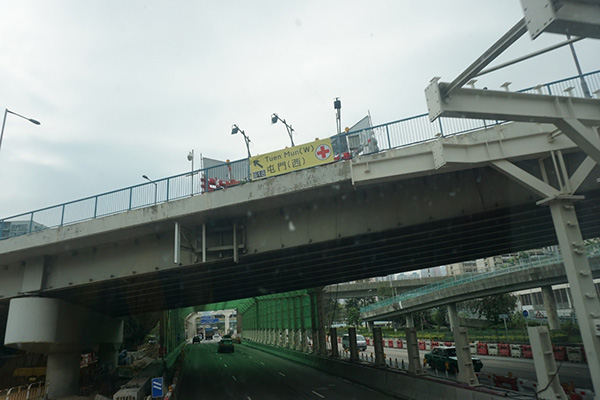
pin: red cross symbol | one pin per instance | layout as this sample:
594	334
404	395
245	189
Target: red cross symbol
322	152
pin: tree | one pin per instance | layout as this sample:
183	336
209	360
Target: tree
492	306
136	327
439	316
353	316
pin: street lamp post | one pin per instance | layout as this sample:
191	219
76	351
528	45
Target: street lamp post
190	157
235	129
290	130
155	186
7	111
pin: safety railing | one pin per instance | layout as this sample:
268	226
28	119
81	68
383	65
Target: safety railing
32	391
404	132
592	250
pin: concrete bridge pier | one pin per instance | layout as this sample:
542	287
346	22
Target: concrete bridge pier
550	306
378	345
61	330
466	373
335	353
352	344
414	359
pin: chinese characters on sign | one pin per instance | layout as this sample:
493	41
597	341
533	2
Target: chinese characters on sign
291	159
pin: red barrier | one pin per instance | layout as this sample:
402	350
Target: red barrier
506	382
560	353
482	349
434	344
448	344
504	349
390	342
340	340
399	343
526	351
421	345
368	341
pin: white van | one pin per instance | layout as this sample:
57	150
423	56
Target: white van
361	342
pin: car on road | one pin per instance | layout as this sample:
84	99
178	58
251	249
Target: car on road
196	339
361	342
226	346
444	357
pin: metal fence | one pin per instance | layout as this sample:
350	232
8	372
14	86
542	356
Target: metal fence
592	250
404	132
26	392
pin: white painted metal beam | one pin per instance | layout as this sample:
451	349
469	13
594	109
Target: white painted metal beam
525	178
509	106
576	17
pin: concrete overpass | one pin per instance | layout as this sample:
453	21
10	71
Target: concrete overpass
368	289
379	214
446	200
471	287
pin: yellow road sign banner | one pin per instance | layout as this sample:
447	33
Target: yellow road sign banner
291	159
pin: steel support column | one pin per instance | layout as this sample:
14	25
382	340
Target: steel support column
466	373
545	366
322	339
577	268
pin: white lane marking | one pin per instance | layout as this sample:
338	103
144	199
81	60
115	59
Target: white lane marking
346	380
281	374
234	378
225	365
319	394
262	363
248	398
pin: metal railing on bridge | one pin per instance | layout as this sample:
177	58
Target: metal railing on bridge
32	391
400	133
592	250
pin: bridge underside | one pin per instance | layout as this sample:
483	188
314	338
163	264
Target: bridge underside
441	242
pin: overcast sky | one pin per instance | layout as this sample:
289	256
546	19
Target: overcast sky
126	88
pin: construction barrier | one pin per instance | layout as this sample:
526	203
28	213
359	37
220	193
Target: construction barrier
527	385
560	353
492	349
399	343
473	348
586	394
448	343
486	379
391	343
368	341
434	344
515	350
526	351
482	349
504	349
428	345
574	354
340	340
421	345
506	382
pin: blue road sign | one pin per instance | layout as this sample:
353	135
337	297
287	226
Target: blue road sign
525	313
157	387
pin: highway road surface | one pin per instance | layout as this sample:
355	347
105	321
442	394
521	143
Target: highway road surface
251	374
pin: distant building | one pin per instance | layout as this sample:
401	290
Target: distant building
433	272
530	300
17	228
461	268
